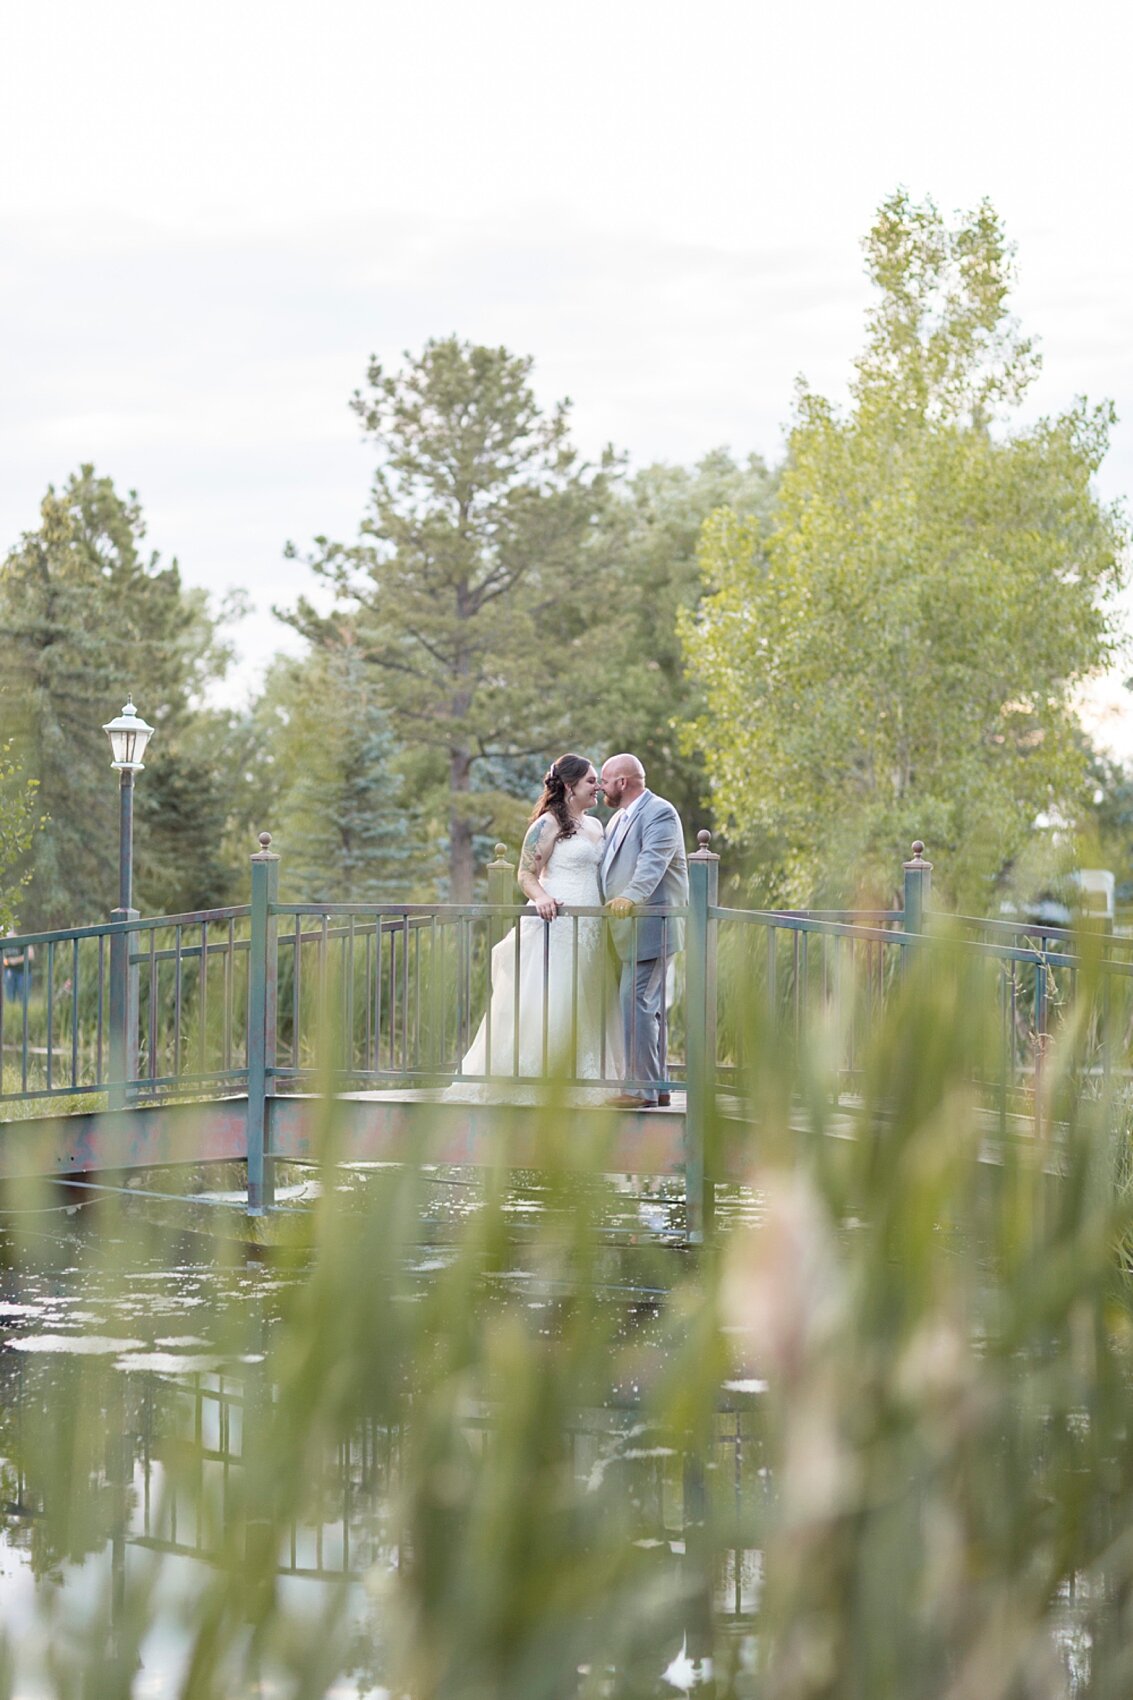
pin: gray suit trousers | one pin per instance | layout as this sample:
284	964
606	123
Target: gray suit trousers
643	1010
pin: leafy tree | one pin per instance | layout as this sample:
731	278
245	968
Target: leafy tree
185	857
897	654
86	617
471	588
636	694
19	823
336	803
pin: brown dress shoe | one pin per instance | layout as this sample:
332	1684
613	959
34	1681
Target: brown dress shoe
664	1099
628	1101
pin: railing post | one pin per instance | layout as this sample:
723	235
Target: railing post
1041	1021
501	889
123	1034
700	1019
918	893
262	976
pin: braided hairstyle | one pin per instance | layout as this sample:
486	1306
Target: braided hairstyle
562	775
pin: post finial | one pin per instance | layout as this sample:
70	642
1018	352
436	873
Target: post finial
501	852
265	840
702	853
918	860
265	853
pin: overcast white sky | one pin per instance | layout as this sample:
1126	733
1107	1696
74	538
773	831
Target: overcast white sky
210	216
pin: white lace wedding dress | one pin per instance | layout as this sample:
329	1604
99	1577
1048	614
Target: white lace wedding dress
569	1017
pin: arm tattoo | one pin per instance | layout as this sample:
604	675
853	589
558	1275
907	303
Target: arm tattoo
527	862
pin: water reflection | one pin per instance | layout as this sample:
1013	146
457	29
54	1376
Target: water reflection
136	1400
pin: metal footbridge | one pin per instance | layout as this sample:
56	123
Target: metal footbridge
275	1032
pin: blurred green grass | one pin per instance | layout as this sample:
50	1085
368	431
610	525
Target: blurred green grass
927	1329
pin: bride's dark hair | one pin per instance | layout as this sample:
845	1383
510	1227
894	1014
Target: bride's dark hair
567	771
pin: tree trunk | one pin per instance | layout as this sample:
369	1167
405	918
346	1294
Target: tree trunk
460	828
460	769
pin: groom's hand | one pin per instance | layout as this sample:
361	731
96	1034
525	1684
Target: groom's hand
620	907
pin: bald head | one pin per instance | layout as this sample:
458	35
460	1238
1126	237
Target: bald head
623	780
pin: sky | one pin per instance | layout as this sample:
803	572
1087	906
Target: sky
212	216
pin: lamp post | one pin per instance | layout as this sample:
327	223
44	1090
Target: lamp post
128	739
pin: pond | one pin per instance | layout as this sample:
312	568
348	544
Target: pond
492	1435
235	1469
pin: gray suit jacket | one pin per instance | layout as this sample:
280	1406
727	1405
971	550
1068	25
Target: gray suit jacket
649	867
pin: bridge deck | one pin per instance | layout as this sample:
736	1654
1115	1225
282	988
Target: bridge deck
383	1126
410	1126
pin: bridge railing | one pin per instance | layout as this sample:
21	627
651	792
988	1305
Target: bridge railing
800	977
186	1003
362	995
270	997
395	995
796	978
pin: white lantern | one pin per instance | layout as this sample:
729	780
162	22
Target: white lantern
128	739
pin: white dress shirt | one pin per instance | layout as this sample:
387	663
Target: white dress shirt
619	826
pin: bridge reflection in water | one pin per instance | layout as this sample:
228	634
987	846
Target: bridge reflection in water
197	1421
143	1468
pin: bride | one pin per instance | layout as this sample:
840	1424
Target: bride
552	972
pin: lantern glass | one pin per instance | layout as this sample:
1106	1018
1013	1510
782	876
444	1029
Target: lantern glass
128	735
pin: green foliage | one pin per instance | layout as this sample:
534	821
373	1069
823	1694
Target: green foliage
875	1443
19	823
896	655
942	344
472	587
184	857
338	805
86	617
946	1334
635	694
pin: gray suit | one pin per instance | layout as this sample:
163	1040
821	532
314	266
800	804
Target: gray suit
649	867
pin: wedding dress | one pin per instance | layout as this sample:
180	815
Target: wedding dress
569	1016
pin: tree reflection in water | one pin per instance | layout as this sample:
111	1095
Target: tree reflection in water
424	1433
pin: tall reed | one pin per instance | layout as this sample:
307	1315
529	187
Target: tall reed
873	1441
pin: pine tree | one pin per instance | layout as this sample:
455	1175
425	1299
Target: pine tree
474	585
19	822
338	815
86	619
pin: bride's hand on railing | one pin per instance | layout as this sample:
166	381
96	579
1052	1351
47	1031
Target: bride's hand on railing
546	906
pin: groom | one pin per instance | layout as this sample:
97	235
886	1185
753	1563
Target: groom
643	862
